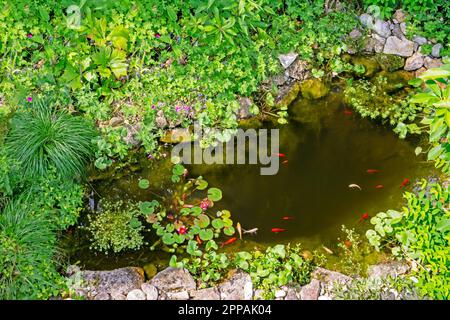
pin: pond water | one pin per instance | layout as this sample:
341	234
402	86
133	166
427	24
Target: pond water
326	149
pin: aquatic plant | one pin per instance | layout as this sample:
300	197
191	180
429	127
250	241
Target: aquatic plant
420	233
116	228
27	251
42	136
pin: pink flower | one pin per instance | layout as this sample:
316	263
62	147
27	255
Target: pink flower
29	99
157	36
149	156
153	107
204	204
30	35
182	230
177	108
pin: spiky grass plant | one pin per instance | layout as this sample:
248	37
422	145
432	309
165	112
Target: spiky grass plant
27	251
41	136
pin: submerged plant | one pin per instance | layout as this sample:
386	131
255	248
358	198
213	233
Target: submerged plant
42	136
27	249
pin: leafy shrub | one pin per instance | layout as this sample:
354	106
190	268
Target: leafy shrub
116	228
42	137
420	232
27	250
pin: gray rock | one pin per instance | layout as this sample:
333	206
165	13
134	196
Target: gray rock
132	134
136	294
173	279
414	62
328	276
292	293
436	50
355	34
403	27
102	296
118	281
205	294
324	298
118	296
161	121
115	121
287	59
181	295
379	43
299	70
382	270
397	31
399	47
150	291
399	15
280	294
366	20
419	40
238	287
244	108
382	28
432	63
258	294
311	291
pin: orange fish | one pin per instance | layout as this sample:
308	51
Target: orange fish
199	241
347	243
287	218
348	112
229	241
404	183
281	155
285	162
379	186
278	230
371	171
365	216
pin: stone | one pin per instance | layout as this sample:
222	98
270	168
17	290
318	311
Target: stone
381	28
244	108
258	294
414	62
118	296
383	270
366	20
355	34
132	134
136	294
287	59
329	276
397	31
432	63
374	44
419	40
389	62
238	287
419	72
399	15
403	27
311	291
324	298
292	293
118	281
150	270
280	294
115	121
299	70
399	47
314	89
181	295
436	50
161	121
176	135
205	294
150	291
173	279
102	296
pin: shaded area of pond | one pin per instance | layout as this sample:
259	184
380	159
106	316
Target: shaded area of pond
326	150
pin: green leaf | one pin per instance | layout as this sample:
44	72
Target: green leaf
202	221
434	152
279	250
214	194
217	223
443	225
229	231
206	234
168	239
144	184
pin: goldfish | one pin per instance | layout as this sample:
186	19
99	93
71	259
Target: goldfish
371	171
239	230
199	241
404	183
281	155
354	185
287	218
229	241
365	216
348	112
278	230
251	231
379	186
347	243
327	250
285	162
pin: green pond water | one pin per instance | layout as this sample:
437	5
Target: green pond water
327	149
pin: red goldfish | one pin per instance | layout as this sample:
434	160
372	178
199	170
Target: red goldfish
404	183
285	162
365	216
199	241
379	186
372	171
281	155
347	243
287	218
348	112
229	241
278	230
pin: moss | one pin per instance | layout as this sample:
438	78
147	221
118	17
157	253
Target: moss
389	62
396	80
314	89
289	96
369	63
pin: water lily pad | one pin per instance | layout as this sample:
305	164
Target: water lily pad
211	245
147	207
144	184
135	223
217	223
168	239
201	184
202	221
206	234
214	194
229	231
195	211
